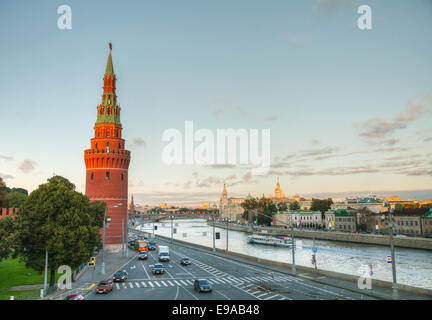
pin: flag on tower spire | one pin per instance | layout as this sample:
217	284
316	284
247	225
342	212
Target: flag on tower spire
110	67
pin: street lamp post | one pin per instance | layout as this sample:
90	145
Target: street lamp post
171	229
393	257
103	238
292	247
214	241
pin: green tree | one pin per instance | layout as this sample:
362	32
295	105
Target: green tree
266	209
7	228
16	199
3	195
249	205
60	220
294	206
322	205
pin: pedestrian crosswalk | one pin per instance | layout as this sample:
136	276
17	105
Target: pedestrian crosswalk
217	281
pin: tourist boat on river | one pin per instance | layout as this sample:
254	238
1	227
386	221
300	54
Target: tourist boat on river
269	240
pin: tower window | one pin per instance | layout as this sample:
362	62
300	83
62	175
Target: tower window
108	134
119	145
92	176
122	176
107	175
108	147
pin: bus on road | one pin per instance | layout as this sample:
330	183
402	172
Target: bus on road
141	245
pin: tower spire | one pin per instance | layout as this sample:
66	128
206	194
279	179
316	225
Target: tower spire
109	67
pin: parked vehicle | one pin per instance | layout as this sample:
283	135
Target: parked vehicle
163	254
202	285
185	261
105	286
158	269
143	255
74	297
121	275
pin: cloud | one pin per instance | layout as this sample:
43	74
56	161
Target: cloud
328	6
5	176
231	177
138	141
270	118
6	157
388	142
315	142
222	105
376	129
220	166
325	150
27	166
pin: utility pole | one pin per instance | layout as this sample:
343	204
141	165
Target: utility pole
227	236
46	272
292	247
394	284
127	231
122	238
103	243
153	228
171	229
214	241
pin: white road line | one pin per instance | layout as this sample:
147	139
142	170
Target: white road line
117	286
151	284
164	284
177	282
143	283
189	281
190	293
271	297
185	283
157	283
169	273
130	284
137	284
172	284
261	295
145	270
218	281
223	295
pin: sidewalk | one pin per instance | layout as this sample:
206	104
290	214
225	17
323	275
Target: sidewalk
92	275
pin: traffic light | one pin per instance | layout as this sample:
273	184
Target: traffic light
155	227
217	235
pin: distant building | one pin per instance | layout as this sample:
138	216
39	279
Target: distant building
343	220
163	205
396	203
234	209
427	223
299	218
205	205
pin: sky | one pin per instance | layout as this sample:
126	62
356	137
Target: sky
349	110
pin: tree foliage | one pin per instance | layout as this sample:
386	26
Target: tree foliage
322	205
294	206
7	228
3	195
265	210
60	220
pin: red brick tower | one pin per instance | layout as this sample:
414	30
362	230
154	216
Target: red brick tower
107	161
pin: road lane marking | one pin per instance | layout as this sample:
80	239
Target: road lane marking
271	297
164	284
185	283
137	284
189	293
223	295
177	282
117	286
145	270
157	283
172	284
261	295
130	284
151	284
143	283
169	273
189	281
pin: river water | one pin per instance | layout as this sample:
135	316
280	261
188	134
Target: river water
413	267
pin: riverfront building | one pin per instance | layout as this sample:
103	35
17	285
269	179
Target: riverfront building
343	220
299	218
107	161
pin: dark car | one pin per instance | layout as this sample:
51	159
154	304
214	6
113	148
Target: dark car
105	286
74	297
152	241
202	285
158	269
152	247
142	255
185	261
120	276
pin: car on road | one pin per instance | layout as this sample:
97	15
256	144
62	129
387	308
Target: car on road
74	297
185	261
120	275
143	255
202	285
158	269
152	247
105	286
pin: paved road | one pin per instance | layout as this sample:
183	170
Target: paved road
231	280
